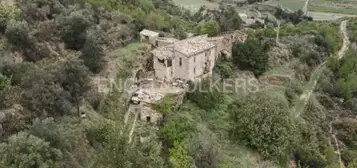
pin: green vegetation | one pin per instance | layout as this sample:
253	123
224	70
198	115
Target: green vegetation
226	16
263	123
352	27
25	150
211	28
328	32
7	13
52	114
345	73
251	55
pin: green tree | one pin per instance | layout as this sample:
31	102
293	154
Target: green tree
251	55
7	13
206	94
17	33
179	156
76	81
228	18
26	150
154	21
119	152
331	157
211	28
263	122
353	164
165	106
74	30
346	74
93	54
203	148
176	130
47	130
9	94
5	83
40	10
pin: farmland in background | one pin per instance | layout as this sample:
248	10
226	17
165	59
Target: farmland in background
194	5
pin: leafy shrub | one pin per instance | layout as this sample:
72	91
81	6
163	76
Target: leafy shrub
224	68
26	150
205	95
17	33
176	130
211	28
348	156
165	106
93	54
74	30
7	13
47	129
263	123
40	10
251	55
179	156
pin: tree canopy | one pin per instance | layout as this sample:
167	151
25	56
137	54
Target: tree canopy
264	123
251	55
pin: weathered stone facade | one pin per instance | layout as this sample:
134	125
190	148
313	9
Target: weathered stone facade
186	59
177	61
148	36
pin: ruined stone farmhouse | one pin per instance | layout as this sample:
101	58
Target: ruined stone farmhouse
188	59
175	62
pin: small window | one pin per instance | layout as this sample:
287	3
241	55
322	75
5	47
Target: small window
148	119
194	59
180	62
194	71
169	63
161	61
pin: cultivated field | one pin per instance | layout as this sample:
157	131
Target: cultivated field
329	6
194	5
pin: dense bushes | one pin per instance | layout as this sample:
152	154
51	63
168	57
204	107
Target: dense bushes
206	94
26	150
352	28
294	18
345	74
93	54
74	30
226	16
7	13
263	122
331	38
211	28
251	55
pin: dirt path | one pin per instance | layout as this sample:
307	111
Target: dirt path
133	128
305	9
310	86
337	146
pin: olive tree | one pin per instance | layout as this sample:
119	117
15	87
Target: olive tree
26	150
76	81
93	54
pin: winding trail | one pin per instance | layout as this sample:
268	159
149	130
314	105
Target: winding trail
305	9
337	146
310	86
133	128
